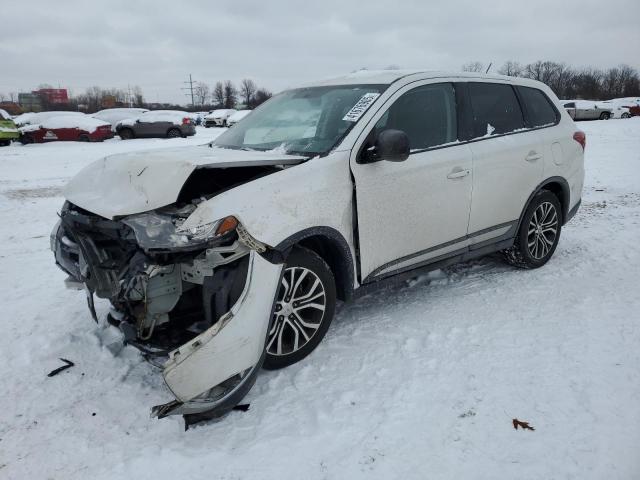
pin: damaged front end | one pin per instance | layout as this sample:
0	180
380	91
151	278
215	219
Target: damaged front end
196	302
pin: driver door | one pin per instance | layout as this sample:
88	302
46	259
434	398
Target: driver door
411	213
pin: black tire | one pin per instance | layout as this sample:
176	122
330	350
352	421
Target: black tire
174	133
534	245
605	116
5	143
126	134
625	115
84	138
286	321
26	139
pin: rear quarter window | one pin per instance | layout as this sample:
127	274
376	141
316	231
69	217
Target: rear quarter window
495	109
540	111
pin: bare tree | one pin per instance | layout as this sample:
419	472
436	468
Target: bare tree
473	67
201	93
218	94
261	96
3	97
511	68
247	90
230	95
13	96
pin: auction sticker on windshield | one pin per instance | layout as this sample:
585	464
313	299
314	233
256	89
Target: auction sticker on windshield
359	108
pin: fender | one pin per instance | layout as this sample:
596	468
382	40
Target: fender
341	263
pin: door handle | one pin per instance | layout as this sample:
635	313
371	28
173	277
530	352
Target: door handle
533	156
458	173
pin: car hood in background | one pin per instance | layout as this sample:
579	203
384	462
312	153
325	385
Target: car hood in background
137	182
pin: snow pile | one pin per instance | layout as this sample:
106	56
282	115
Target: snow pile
84	122
114	115
173	116
38	117
4	115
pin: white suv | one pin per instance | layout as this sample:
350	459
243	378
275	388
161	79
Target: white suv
230	256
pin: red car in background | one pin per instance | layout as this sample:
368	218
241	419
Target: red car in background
79	128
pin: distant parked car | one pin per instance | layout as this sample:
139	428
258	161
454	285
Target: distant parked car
218	118
115	115
617	110
8	130
66	128
157	124
31	118
587	110
236	117
632	103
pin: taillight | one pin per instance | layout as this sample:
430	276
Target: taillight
186	121
581	138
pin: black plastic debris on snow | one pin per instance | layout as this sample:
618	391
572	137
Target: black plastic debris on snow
193	418
69	364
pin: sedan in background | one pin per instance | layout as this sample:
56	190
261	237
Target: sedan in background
587	110
80	128
157	124
218	118
8	130
617	109
115	115
236	117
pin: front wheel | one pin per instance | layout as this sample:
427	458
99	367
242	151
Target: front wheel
625	115
303	309
539	232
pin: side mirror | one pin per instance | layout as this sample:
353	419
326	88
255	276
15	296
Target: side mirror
390	145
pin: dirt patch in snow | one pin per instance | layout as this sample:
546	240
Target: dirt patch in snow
42	192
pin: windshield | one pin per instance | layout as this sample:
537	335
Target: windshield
308	121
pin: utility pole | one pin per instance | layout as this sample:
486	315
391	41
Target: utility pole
189	89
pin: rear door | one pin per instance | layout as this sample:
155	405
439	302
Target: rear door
507	160
413	211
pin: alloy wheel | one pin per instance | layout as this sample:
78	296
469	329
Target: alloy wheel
299	311
543	230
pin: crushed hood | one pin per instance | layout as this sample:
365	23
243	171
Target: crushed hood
137	182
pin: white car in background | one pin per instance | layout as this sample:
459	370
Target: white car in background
218	118
618	110
230	256
236	117
114	115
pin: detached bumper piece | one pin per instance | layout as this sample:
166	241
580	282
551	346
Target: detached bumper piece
206	309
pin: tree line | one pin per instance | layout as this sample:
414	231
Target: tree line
569	82
223	95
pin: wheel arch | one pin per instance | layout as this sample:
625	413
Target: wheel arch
331	245
559	187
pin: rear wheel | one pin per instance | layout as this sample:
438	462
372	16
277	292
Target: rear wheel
539	232
84	138
173	133
5	143
126	134
303	309
605	116
26	139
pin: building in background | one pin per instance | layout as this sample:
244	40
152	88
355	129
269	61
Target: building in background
53	96
30	102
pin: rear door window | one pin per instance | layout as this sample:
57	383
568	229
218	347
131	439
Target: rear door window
540	111
495	109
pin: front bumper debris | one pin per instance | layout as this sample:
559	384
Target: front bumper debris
201	315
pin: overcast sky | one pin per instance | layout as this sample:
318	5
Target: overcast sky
156	44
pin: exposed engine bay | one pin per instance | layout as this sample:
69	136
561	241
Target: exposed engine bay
173	290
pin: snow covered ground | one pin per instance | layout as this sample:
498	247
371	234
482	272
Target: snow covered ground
419	381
